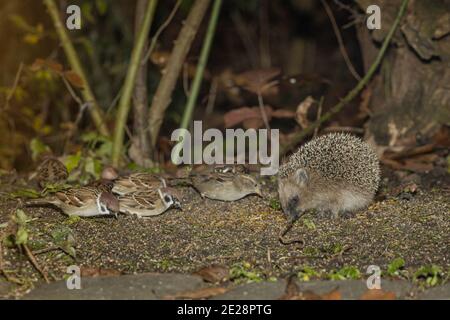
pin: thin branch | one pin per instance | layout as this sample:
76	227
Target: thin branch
195	88
160	30
319	113
14	87
140	98
72	56
262	109
127	89
34	262
355	91
162	97
349	64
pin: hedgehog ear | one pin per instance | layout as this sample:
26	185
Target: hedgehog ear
301	177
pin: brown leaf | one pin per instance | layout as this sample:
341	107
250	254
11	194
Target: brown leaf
37	64
378	294
74	79
203	293
214	273
98	272
239	115
254	123
301	115
55	66
283	113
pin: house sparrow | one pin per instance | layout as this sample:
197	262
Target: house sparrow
225	185
50	170
82	201
137	182
149	203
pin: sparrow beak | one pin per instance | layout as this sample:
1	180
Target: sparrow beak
259	192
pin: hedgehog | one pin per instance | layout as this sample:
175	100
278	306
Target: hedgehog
334	173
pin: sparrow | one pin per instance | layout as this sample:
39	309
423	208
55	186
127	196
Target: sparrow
225	184
149	203
220	168
81	201
50	171
137	182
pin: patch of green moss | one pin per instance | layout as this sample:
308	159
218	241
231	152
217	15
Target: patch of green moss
244	273
307	273
395	268
429	275
275	204
347	272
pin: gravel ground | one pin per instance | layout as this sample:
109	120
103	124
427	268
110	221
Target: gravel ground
243	233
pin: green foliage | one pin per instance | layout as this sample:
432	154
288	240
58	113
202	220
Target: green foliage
72	161
430	274
275	204
21	219
37	148
63	238
347	272
25	193
309	224
307	273
102	6
394	268
243	272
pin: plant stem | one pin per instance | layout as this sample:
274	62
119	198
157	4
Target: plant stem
162	97
195	88
356	90
127	89
74	61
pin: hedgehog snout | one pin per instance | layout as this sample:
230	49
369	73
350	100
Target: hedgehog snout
292	208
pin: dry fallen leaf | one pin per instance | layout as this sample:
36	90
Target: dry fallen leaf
203	293
214	273
74	79
378	294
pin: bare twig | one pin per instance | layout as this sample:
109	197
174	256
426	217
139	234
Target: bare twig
96	113
244	34
162	97
355	91
263	110
212	96
34	262
349	64
160	30
71	91
14	87
140	101
124	103
319	113
195	89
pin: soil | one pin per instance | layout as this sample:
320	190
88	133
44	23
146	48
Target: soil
242	233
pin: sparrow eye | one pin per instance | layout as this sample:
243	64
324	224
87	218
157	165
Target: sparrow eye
167	198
